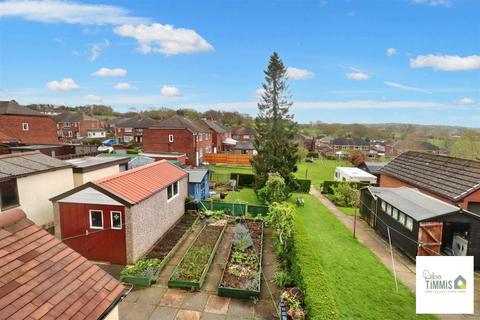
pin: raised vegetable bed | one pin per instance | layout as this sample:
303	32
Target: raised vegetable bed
192	269
146	271
242	275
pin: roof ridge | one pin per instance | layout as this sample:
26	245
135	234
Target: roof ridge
440	156
11	216
128	172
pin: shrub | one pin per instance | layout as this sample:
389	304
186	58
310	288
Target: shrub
275	189
280	217
303	185
143	268
327	186
314	155
282	279
345	195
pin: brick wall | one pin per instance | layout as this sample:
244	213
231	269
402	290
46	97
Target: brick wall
147	221
88	124
41	130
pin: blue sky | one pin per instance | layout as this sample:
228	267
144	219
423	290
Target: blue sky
411	61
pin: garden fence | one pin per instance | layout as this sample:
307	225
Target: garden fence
236	209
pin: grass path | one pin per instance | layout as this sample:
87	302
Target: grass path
361	286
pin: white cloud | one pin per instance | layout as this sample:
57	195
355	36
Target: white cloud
97	48
391	52
405	87
357	76
124	86
434	3
465	102
55	11
165	39
93	98
64	85
170	91
446	62
299	74
106	72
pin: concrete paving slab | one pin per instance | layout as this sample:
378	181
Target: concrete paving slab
240	308
164	313
195	301
152	295
216	304
173	298
188	315
212	316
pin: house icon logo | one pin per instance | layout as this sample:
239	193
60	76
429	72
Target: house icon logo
460	283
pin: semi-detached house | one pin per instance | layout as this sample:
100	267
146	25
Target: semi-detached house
179	135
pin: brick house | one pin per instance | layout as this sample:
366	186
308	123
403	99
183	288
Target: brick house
350	145
180	135
305	141
133	209
453	180
25	125
243	133
132	129
72	126
402	146
43	278
221	135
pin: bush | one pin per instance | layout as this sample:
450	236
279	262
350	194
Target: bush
314	155
282	279
327	186
345	195
303	185
280	218
274	190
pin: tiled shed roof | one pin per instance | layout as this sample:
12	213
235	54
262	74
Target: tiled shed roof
41	277
27	163
453	178
140	183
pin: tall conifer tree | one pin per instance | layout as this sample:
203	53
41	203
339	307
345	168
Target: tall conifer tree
276	150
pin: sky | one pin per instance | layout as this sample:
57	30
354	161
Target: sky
349	61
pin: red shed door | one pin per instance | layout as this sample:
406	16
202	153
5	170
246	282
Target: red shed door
430	238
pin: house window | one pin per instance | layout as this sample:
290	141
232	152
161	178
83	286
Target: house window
409	223
8	194
170	138
96	219
172	190
25	126
129	130
116	219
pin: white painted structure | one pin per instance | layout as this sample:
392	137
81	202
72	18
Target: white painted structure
354	175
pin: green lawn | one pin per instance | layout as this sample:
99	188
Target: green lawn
348	211
334	265
245	195
320	170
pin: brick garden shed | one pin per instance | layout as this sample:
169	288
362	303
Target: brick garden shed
119	218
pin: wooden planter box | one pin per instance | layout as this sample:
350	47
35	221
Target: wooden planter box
196	284
242	293
146	281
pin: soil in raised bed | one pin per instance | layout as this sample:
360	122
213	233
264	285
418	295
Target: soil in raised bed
205	242
170	239
245	279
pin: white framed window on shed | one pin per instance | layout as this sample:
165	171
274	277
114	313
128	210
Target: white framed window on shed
25	126
175	188
401	218
116	219
170	138
96	219
409	223
394	213
389	209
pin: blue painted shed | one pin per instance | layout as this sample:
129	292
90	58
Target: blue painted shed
198	183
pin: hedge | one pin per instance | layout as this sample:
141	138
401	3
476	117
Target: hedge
244	179
303	185
327	186
314	155
310	277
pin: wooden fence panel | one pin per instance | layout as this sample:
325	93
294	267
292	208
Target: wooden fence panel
228	158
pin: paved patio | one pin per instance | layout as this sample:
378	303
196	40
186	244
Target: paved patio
161	302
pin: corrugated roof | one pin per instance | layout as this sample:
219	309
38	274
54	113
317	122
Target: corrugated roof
140	183
12	107
196	175
27	163
453	178
86	162
42	277
414	203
